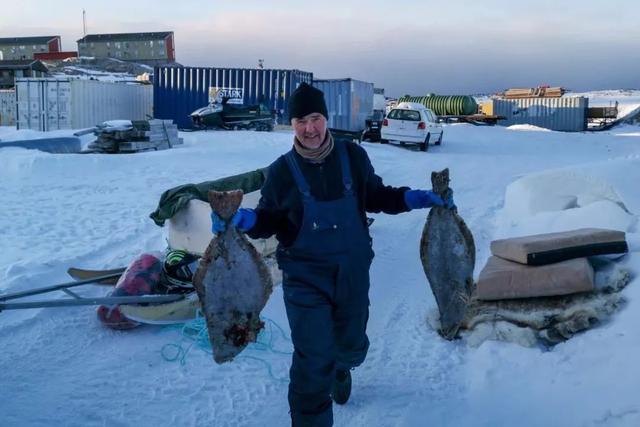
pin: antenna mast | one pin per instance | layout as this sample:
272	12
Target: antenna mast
84	23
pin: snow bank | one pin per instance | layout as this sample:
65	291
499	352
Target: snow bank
566	199
528	128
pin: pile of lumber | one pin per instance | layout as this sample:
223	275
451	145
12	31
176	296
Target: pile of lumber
128	136
535	92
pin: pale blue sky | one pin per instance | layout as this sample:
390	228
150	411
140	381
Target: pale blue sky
412	47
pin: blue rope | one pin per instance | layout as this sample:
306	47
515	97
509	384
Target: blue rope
197	334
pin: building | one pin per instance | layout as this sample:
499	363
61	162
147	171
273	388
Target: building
12	69
155	48
25	47
54	56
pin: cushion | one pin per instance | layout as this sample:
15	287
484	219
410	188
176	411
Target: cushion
548	248
502	279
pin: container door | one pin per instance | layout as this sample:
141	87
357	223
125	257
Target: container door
57	99
30	108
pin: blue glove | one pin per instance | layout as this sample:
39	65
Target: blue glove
419	199
217	224
243	220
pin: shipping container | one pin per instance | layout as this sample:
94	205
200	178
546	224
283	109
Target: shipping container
178	91
8	107
561	114
379	100
349	102
52	104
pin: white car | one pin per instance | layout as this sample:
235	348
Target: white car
410	122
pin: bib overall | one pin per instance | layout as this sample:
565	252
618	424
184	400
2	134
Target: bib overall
326	294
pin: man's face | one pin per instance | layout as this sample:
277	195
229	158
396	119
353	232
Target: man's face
310	129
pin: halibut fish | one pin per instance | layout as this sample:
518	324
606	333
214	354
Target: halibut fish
232	282
448	255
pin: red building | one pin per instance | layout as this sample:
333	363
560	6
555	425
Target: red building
54	56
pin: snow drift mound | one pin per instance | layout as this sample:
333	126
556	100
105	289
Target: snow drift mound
567	199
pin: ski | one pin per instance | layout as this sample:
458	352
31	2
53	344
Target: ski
84	274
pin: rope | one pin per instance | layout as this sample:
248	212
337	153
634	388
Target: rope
197	335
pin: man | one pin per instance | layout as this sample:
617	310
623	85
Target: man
315	200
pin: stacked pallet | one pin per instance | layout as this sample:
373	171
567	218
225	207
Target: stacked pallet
535	92
128	136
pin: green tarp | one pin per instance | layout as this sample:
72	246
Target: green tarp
177	198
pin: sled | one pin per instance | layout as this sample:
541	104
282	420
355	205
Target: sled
77	300
84	274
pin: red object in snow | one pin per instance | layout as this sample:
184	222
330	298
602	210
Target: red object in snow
140	278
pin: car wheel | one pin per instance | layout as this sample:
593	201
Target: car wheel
424	146
439	141
384	141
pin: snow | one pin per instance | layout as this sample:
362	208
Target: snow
528	128
61	367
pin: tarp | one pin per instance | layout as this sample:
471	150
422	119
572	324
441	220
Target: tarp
177	198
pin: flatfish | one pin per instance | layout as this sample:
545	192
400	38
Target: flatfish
448	257
233	284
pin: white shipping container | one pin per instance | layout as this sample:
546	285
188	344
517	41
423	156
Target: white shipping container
52	104
379	102
7	107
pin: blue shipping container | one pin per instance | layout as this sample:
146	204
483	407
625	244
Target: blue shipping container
349	102
178	91
561	114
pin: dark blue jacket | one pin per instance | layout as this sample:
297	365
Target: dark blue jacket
279	211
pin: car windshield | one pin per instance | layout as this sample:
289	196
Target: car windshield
411	115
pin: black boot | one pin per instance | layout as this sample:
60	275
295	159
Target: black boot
341	388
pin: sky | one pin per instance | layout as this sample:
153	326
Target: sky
405	47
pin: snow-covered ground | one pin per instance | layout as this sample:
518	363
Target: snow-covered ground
61	367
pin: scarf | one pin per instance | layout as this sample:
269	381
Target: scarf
315	155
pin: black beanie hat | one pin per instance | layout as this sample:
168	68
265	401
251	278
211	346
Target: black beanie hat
306	99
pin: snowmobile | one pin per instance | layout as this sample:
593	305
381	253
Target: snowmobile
223	115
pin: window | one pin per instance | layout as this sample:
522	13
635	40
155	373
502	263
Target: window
151	43
411	115
22	47
161	43
117	44
108	44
